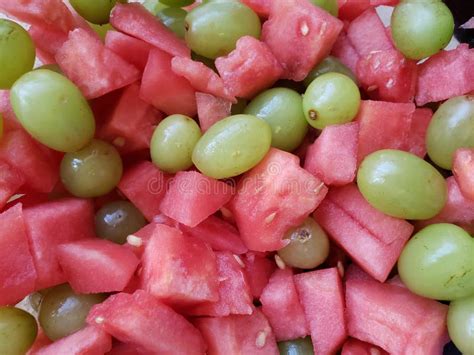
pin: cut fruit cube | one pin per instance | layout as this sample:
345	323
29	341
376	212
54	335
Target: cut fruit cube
133	50
211	109
463	170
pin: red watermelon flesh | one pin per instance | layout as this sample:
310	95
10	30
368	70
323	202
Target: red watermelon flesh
300	35
10	181
273	197
10	122
136	21
250	68
322	296
333	156
133	50
281	305
261	7
211	109
141	319
416	138
358	347
384	2
345	52
354	272
463	170
126	349
17	270
351	9
47	42
258	269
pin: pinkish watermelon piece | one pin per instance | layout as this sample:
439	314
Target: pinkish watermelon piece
10	122
133	50
281	305
261	7
10	181
250	68
126	349
47	42
384	2
322	296
300	35
333	156
416	138
463	169
345	52
373	240
446	74
258	269
357	347
211	109
273	197
353	272
141	319
351	9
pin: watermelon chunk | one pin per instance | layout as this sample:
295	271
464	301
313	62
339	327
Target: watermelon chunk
136	21
345	52
322	296
373	240
261	7
126	349
47	42
250	334
332	158
273	197
446	74
259	269
250	68
192	197
10	122
351	9
211	109
143	320
463	168
357	347
17	269
416	138
131	49
395	319
281	305
10	181
165	90
300	35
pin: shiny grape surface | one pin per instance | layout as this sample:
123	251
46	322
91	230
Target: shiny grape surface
329	64
173	18
301	346
18	331
461	324
96	11
177	3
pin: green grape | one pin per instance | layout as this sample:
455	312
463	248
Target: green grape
308	248
301	346
232	146
329	65
239	107
53	110
18	331
461	324
17	52
213	28
177	3
52	67
402	185
282	109
452	127
421	28
328	5
332	98
438	263
173	142
96	11
63	312
92	171
154	6
173	18
101	30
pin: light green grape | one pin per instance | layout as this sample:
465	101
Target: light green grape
232	146
173	18
329	65
421	28
301	346
53	110
154	6
438	263
173	142
332	98
461	324
95	11
18	331
52	67
101	30
328	5
177	3
17	52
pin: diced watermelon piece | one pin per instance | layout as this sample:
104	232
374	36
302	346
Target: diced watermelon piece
322	296
416	138
357	347
300	35
165	90
261	7
51	224
354	272
373	240
351	9
136	21
384	2
388	76
345	52
383	125
96	265
463	170
89	340
281	305
10	122
273	197
192	197
333	156
145	186
17	269
94	68
10	181
395	319
131	49
219	234
143	320
126	349
238	335
47	42
211	109
40	342
259	269
250	68
446	74
178	269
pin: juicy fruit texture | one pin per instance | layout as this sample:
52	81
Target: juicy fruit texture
296	347
419	126
358	347
329	64
10	181
259	269
47	42
18	331
131	49
463	165
66	123
97	12
437	263
460	320
345	51
211	109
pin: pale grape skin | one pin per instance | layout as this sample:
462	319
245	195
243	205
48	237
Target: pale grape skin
18	330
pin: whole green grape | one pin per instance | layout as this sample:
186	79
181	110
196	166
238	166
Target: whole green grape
92	171
301	346
173	18
18	331
53	110
461	324
421	28
328	5
101	30
401	185
331	98
232	146
17	52
96	11
213	28
154	6
438	263
329	64
177	3
282	109
452	127
173	142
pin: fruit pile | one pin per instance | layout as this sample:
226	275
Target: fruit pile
235	177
